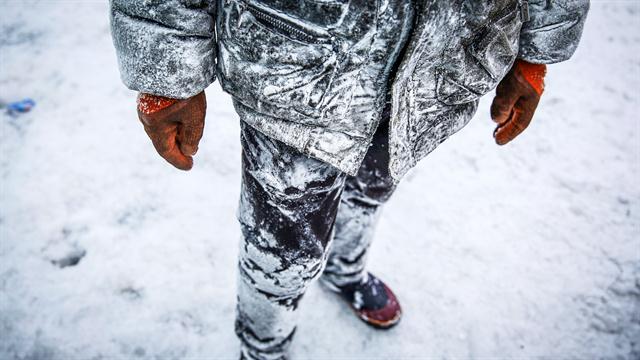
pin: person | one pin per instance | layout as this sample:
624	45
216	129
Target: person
337	99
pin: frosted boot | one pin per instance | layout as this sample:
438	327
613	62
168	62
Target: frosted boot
371	300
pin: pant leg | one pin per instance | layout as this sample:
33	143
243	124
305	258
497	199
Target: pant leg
287	211
360	207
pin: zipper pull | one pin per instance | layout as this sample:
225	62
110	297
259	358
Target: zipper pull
524	10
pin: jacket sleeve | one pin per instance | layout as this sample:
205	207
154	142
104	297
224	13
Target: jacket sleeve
165	47
553	31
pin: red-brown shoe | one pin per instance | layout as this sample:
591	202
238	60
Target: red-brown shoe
372	301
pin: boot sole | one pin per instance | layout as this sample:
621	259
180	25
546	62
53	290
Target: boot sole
380	325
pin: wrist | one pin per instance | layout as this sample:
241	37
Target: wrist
149	103
532	73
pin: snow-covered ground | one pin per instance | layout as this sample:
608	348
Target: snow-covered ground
527	251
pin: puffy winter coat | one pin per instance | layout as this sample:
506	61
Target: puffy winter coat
310	71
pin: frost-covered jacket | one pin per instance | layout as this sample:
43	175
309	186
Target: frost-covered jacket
312	67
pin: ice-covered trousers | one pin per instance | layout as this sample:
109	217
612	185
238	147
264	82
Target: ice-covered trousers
300	218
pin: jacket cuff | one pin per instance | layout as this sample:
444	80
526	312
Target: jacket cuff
553	32
162	60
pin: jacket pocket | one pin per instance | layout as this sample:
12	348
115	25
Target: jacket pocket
325	13
472	67
288	26
274	63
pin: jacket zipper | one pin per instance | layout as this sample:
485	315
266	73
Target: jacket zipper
524	10
288	25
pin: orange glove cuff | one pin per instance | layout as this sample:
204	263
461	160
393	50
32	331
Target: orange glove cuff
149	104
533	74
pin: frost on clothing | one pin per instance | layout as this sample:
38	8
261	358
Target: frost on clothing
322	94
289	204
318	70
552	36
459	51
165	48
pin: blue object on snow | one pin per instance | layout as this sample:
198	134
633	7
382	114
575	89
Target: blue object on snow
21	106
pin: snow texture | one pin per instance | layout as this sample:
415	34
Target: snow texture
526	251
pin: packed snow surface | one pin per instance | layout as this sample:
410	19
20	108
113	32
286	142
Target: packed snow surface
523	251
